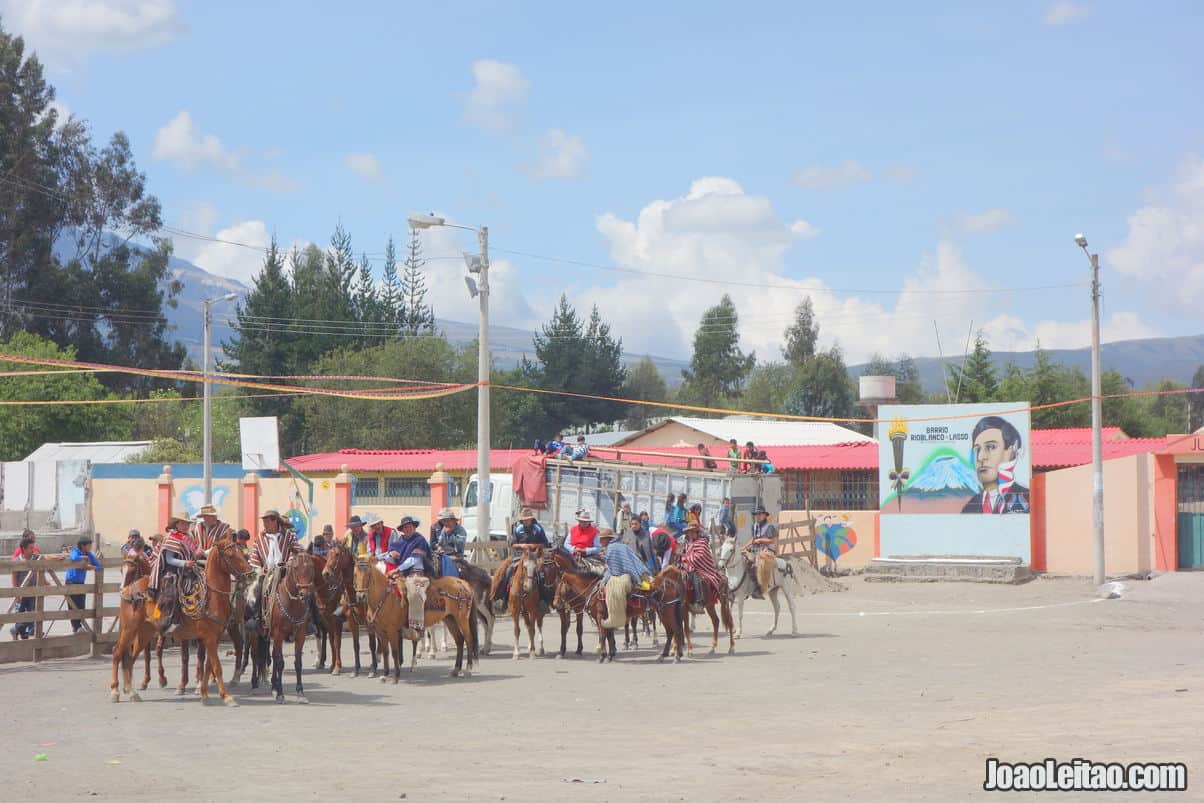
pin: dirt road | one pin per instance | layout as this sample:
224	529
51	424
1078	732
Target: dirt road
889	692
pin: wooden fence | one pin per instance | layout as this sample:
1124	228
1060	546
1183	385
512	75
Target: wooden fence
52	604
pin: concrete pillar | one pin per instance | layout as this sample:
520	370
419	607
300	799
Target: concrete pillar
164	498
250	503
439	483
1166	513
342	498
1037	531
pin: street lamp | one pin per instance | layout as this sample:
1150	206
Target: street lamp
479	265
1097	417
207	422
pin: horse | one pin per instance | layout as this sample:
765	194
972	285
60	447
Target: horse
724	612
340	564
525	598
573	590
136	635
448	601
211	615
741	582
286	616
388	615
240	639
329	592
668	596
554	564
480	581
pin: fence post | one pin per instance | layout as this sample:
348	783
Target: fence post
165	495
250	503
438	483
98	602
39	606
342	496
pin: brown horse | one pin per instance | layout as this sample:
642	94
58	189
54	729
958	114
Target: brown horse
328	593
340	566
286	615
668	596
724	605
555	563
211	617
481	582
134	630
388	615
574	591
525	598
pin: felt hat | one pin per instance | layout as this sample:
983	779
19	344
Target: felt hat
355	521
178	516
272	513
447	513
526	514
607	533
408	520
207	510
584	515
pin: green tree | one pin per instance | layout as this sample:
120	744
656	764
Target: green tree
25	428
768	386
646	383
366	302
175	425
802	336
718	368
417	316
976	382
1170	409
390	289
1195	401
822	387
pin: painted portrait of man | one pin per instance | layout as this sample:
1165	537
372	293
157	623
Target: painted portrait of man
995	448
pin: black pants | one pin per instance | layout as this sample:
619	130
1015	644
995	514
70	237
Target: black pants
25	605
80	601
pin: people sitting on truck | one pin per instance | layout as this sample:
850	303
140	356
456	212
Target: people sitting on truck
551	447
448	539
750	454
527	531
580	451
766	466
706	453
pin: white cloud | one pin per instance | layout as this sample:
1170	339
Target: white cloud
561	156
1063	12
977	222
363	164
82	25
826	178
498	93
181	142
1165	241
233	261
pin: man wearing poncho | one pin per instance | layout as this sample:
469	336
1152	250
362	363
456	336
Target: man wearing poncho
704	573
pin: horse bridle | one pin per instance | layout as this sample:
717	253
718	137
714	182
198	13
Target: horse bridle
303	597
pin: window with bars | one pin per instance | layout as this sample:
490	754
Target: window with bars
391	490
830	490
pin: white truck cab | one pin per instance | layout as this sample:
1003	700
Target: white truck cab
501	506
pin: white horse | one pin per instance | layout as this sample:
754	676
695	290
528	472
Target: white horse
741	581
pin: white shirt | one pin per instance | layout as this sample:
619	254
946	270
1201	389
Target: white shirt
273	550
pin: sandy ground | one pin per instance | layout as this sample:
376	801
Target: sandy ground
890	692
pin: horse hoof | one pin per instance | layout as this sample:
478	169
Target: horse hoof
731	650
467	673
455	673
541	652
712	651
769	634
396	679
280	698
660	659
229	701
134	697
181	692
320	665
162	683
677	659
114	697
336	671
371	675
144	686
301	700
384	678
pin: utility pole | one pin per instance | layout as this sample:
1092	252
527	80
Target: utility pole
207	415
484	486
1097	421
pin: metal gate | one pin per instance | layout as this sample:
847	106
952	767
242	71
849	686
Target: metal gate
1191	516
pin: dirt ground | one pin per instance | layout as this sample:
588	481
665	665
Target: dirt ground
890	692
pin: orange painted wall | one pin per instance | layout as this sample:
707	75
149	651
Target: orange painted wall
1128	517
864	524
1166	545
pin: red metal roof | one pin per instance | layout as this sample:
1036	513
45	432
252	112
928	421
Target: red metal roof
1051	448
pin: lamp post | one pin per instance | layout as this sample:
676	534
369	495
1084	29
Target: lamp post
1097	417
480	265
207	421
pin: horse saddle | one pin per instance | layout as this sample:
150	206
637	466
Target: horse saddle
589	564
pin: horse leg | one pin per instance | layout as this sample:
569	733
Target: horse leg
145	645
580	633
320	634
239	643
298	649
517	635
537	618
401	652
458	637
788	593
565	618
773	600
711	612
373	643
119	650
278	667
183	687
201	656
335	632
725	609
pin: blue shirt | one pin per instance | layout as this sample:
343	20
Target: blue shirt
79	576
406	547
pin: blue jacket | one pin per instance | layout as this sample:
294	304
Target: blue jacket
406	548
79	576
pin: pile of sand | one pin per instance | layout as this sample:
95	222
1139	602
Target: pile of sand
810	581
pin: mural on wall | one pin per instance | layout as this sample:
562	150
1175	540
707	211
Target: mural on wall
835	536
193	497
298	514
977	462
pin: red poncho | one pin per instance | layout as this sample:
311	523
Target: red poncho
697	558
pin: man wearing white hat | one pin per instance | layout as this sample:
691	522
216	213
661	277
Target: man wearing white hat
447	540
206	531
585	544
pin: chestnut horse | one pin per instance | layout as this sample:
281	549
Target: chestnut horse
286	615
525	598
388	615
481	582
340	564
555	563
724	609
329	591
212	616
134	629
668	596
574	592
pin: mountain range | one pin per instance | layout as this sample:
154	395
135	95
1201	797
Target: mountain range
1140	361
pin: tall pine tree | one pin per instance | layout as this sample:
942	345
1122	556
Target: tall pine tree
802	336
977	382
390	290
417	316
718	367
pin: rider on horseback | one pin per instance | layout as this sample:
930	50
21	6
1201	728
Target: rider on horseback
408	557
206	531
585	544
700	563
621	559
527	531
448	539
269	554
174	553
641	542
764	537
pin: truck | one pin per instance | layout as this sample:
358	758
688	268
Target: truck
601	487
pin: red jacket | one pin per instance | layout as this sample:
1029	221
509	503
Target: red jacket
583	537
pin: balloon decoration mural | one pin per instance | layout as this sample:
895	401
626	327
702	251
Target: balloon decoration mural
834	536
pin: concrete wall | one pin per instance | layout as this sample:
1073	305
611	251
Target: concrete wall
675	434
1129	517
859	526
119	504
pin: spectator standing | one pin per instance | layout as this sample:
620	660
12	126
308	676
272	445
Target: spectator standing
750	453
81	551
708	463
733	454
33	539
26	551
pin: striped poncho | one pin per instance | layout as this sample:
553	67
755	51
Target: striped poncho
697	558
621	559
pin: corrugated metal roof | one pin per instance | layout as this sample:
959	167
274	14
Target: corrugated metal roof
608	438
98	452
765	432
402	459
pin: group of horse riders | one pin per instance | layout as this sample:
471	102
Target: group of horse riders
606	553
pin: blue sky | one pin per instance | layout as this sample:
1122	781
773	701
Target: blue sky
901	164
